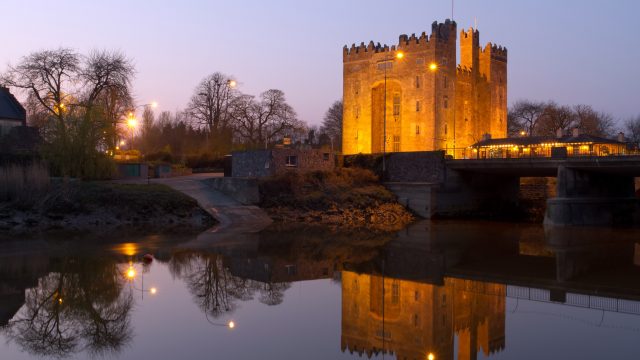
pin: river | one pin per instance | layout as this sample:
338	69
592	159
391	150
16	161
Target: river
435	290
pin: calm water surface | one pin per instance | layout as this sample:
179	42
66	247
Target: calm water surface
452	290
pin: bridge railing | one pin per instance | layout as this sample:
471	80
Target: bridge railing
533	153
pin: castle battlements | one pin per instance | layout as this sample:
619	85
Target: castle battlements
429	110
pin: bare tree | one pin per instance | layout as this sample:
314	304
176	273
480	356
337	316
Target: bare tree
592	122
209	107
632	129
332	124
259	123
525	116
555	118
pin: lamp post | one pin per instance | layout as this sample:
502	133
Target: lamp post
399	55
132	122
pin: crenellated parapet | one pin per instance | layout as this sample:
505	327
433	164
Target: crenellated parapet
496	52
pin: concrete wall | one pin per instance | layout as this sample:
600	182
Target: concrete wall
255	163
243	190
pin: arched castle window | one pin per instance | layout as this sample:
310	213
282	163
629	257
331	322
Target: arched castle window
446	102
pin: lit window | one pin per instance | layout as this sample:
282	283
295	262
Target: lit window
396	105
396	143
292	161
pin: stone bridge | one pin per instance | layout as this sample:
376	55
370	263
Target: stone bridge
590	190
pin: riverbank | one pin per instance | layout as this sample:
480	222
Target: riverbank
346	197
104	206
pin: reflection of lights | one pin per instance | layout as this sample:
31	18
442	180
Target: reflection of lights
153	291
59	300
431	356
129	249
231	325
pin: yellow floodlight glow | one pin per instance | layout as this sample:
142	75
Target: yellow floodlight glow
431	356
132	122
399	55
131	272
153	291
433	66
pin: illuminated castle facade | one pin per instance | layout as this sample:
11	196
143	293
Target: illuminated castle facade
431	102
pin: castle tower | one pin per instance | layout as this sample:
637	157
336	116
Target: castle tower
431	103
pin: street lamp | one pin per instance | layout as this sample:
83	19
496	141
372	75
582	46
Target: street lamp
399	55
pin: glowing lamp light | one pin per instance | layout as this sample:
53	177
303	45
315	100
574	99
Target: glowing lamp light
231	324
131	272
400	55
154	104
59	300
153	291
431	356
132	122
522	133
232	83
433	66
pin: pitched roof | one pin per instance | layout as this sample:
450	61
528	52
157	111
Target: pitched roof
10	107
536	140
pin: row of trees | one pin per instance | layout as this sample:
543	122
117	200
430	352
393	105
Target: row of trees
80	105
77	102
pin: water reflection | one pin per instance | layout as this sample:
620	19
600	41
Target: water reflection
80	304
434	289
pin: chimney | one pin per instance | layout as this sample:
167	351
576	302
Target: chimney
486	136
576	132
621	137
559	133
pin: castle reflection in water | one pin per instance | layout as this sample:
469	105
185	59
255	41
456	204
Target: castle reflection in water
430	289
413	319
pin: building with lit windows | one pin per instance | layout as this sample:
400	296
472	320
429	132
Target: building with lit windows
413	96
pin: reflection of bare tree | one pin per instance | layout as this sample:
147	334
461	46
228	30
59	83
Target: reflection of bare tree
215	289
82	307
272	293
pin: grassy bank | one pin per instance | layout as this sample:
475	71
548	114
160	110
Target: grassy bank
79	205
350	197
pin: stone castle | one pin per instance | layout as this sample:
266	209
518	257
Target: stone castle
431	102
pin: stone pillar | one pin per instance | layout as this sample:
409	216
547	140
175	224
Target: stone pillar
592	198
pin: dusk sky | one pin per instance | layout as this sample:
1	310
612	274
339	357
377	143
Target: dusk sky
570	51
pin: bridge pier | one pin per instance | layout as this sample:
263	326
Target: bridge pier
589	197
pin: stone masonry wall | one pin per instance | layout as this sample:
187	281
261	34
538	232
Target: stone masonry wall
256	163
424	166
307	160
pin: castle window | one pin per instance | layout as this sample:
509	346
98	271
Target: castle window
445	61
396	143
395	288
417	82
416	320
416	295
357	133
446	81
356	110
417	106
417	129
445	129
356	87
325	156
446	102
292	161
396	105
420	61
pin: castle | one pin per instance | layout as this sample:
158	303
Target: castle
431	103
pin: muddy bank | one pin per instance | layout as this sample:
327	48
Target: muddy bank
348	198
103	206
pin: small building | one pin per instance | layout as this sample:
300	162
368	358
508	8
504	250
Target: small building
12	113
562	146
263	163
